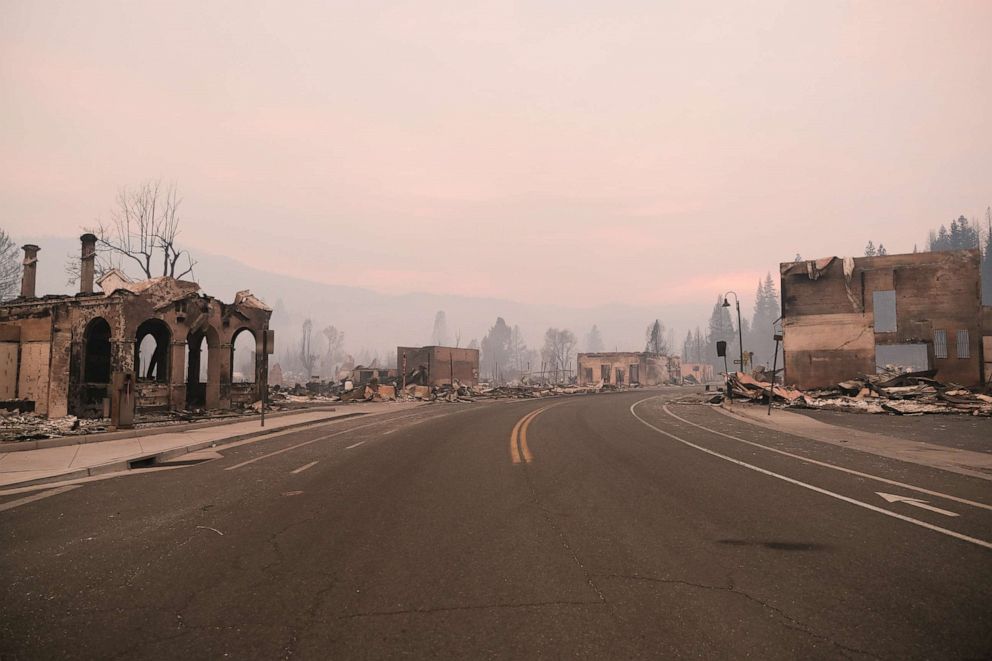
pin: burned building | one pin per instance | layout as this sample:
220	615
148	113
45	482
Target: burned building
697	372
163	341
844	317
362	375
628	367
437	366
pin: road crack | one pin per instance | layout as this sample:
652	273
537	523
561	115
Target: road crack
788	621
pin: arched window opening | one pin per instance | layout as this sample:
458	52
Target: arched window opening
198	367
151	360
243	357
96	352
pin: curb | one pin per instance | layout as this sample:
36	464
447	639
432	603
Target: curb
121	465
83	439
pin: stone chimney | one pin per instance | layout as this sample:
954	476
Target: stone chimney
87	266
30	270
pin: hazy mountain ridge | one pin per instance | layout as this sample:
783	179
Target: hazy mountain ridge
377	321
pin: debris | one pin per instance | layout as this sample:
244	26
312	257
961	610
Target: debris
890	391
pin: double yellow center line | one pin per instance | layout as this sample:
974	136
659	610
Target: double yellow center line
519	452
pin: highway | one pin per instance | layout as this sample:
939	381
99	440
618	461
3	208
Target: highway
605	526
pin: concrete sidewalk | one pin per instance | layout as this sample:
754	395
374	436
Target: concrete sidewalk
964	462
71	462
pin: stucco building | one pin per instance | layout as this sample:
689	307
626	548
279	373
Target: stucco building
628	367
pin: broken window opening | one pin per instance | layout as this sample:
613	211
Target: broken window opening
884	306
151	354
910	357
604	373
964	350
96	356
243	357
940	344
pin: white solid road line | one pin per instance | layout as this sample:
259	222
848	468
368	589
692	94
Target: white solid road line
355	445
304	467
38	496
846	499
850	471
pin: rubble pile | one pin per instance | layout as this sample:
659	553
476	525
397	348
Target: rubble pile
888	392
32	427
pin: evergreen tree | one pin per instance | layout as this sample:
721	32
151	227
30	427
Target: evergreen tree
656	342
687	348
987	261
593	340
699	343
870	250
961	236
721	328
882	250
439	336
766	311
495	356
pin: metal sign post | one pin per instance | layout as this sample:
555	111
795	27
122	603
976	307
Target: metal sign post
771	386
265	370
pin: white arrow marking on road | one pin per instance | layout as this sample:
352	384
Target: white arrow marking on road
915	502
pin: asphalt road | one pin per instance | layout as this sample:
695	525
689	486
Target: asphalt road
616	528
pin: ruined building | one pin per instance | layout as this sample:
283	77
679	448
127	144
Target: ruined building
152	337
845	317
436	366
628	367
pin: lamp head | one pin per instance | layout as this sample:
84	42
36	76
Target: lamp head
726	303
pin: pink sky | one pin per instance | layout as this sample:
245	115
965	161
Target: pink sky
577	153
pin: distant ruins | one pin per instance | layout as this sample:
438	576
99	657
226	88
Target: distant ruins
624	368
438	366
81	354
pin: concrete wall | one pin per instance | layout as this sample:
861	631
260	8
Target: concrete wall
829	320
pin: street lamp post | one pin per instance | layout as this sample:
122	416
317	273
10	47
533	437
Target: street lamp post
740	332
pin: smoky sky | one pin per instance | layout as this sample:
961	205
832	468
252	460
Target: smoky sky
576	153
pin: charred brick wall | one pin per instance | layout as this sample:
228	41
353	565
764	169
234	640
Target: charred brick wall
832	330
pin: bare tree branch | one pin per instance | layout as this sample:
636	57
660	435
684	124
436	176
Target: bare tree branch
10	266
142	229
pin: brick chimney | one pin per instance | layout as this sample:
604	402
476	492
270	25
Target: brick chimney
87	266
30	270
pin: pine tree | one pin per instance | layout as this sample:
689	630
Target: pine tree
495	349
766	312
882	250
987	261
439	336
870	250
687	348
721	328
593	340
656	342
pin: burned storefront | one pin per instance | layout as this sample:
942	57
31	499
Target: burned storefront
845	317
159	343
622	368
437	365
